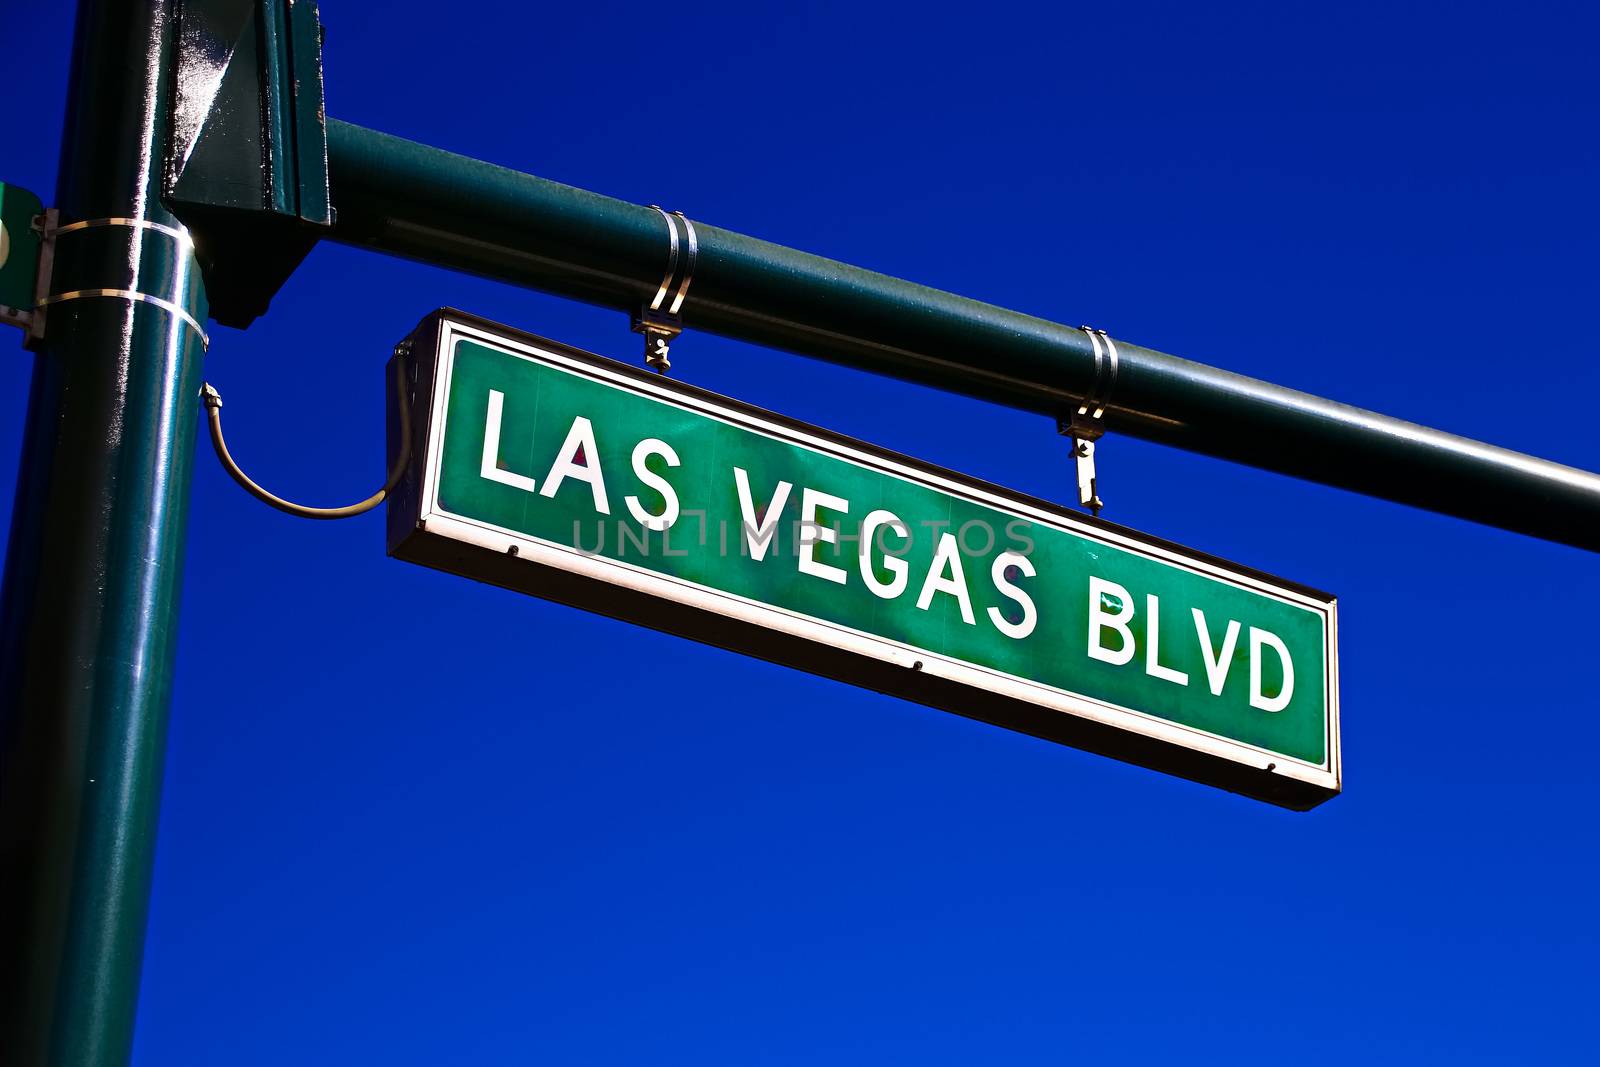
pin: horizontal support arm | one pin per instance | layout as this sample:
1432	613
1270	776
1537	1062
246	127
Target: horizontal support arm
423	203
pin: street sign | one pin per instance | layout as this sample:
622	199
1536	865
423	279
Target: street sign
19	253
579	479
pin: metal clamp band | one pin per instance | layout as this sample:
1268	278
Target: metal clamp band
1083	424
688	263
1105	373
130	294
662	326
180	235
52	228
672	259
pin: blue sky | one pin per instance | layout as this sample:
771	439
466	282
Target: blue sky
414	820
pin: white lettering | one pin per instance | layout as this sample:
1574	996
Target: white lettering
1152	648
896	566
490	468
759	535
813	532
579	442
947	557
1101	620
1217	663
1258	699
642	451
1030	616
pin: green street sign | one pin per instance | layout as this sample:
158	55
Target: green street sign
19	253
576	478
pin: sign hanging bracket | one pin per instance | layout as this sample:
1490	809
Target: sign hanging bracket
1084	423
659	320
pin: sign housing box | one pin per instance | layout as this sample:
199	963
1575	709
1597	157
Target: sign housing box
423	529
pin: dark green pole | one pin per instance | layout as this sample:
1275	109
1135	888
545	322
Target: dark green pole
90	598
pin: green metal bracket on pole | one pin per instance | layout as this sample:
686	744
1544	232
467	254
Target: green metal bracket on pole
248	160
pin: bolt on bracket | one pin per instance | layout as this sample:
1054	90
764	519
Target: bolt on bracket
658	320
1084	422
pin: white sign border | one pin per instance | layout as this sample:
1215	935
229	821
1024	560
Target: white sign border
498	539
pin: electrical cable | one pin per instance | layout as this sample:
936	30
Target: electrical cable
213	403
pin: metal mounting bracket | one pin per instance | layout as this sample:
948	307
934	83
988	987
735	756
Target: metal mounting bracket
246	166
178	302
45	226
1084	432
658	320
1084	423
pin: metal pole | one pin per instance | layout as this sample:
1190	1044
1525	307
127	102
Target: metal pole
424	203
90	599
